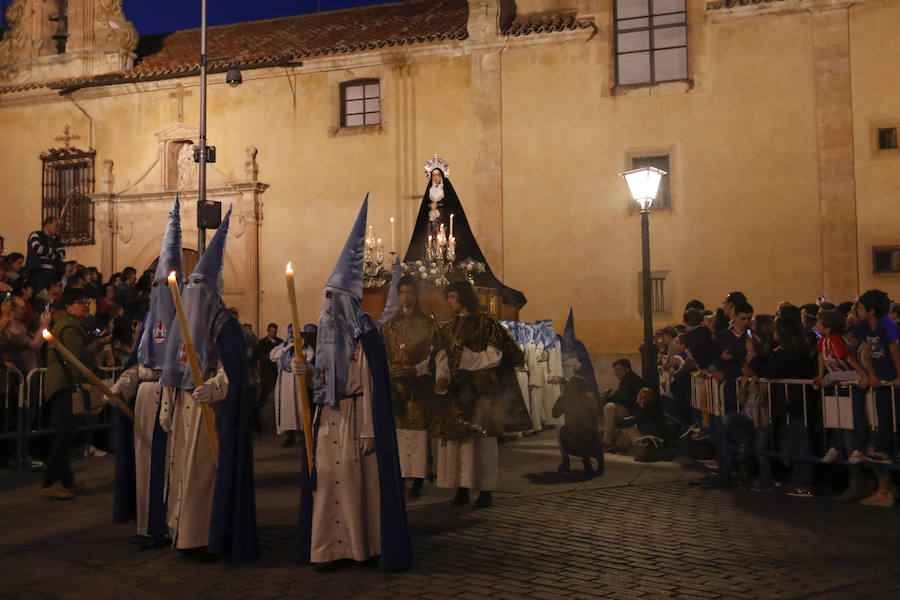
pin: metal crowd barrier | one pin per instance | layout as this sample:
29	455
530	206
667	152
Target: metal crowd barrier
834	400
23	416
12	404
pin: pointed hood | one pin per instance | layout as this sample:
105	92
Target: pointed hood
393	300
568	337
204	311
210	264
342	321
348	272
157	323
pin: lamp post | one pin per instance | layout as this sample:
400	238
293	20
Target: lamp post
203	153
643	184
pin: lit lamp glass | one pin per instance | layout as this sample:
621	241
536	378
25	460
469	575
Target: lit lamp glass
643	184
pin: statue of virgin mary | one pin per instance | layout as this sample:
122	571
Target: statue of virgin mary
439	202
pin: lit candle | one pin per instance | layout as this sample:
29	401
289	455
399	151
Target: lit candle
300	378
393	246
205	408
429	243
451	224
86	373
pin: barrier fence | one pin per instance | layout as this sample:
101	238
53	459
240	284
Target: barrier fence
24	412
782	403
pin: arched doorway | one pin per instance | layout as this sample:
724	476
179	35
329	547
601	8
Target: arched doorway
189	259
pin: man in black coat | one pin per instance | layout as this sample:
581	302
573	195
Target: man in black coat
623	403
268	370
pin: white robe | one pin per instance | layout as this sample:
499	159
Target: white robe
287	409
552	388
413	443
469	462
536	380
146	405
190	468
347	502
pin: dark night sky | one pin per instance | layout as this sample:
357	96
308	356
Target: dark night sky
159	16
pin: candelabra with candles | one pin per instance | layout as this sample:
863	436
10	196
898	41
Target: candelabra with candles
373	257
440	252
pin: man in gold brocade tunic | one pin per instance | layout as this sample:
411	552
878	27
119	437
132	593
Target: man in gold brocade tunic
483	401
419	367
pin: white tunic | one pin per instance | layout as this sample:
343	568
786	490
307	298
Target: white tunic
287	409
346	502
412	445
469	462
190	468
146	405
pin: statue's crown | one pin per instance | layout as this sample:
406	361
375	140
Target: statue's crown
437	162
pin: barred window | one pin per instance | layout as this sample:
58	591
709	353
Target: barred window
657	291
663	198
360	102
67	184
651	41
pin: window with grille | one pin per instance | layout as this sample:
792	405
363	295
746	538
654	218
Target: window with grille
360	103
657	291
663	197
651	41
67	184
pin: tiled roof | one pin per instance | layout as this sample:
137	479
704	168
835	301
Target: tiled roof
546	22
297	37
286	39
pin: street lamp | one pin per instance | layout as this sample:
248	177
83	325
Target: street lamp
643	184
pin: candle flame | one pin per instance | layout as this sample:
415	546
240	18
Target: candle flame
392	219
172	277
46	334
289	269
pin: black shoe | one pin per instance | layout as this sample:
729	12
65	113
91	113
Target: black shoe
461	498
288	442
416	490
588	467
485	500
563	467
150	543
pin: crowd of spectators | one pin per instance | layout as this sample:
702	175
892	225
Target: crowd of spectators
843	353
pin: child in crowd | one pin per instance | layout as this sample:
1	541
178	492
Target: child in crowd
836	364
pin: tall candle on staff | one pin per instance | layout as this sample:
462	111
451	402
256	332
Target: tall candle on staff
451	225
300	378
393	247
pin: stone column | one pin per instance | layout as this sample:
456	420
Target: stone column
834	133
488	158
486	19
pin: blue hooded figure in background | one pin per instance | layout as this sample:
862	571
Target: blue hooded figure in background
352	506
141	446
211	503
575	357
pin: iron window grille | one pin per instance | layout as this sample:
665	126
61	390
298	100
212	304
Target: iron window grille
657	292
360	102
663	198
66	188
650	41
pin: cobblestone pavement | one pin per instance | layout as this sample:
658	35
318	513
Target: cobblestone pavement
648	531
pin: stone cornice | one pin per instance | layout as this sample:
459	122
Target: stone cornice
719	11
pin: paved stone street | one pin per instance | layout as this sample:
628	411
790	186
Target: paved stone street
648	531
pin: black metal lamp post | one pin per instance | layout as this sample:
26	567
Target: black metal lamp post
643	184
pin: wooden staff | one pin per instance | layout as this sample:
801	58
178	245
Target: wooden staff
300	378
205	410
87	373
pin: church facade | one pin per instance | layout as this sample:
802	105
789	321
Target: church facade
775	119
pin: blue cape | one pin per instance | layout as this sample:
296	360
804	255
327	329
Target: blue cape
232	527
396	549
125	492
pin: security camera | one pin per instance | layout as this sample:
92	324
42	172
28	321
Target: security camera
233	78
